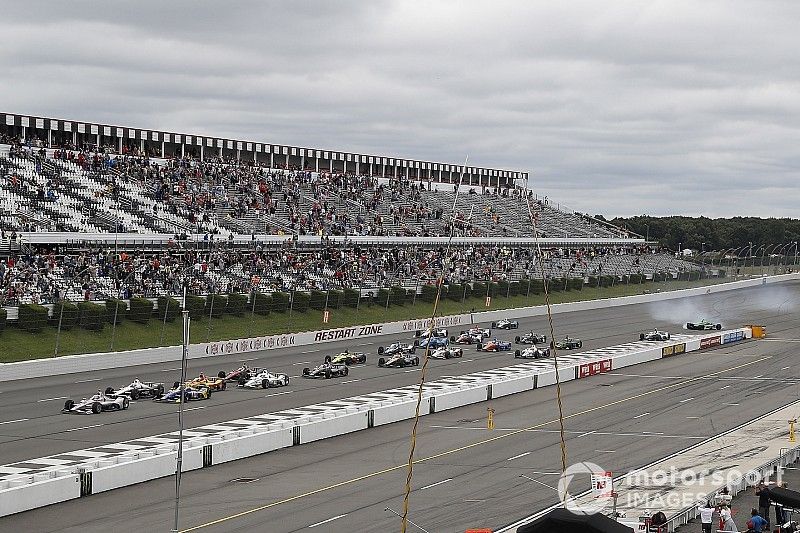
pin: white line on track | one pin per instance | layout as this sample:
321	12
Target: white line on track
756	377
518	456
51	399
587	433
412	370
312	351
641	415
786	368
652	432
248	359
693	417
725	387
84	427
730	404
194	408
337	517
687	400
301	363
598	433
278	393
349	381
88	380
12	421
170	369
605	451
437	483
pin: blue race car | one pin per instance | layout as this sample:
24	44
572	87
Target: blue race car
495	345
432	342
189	393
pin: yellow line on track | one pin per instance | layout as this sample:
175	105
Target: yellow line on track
460	449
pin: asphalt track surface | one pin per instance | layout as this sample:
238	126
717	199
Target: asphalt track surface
465	476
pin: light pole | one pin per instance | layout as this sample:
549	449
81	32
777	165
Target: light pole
179	460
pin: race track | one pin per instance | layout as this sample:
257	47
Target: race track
468	476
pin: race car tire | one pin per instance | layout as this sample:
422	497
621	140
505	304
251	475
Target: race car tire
69	404
221	374
306	371
264	384
327	374
160	390
224	385
689	325
242	381
402	363
718	326
416	342
413	349
452	338
418	333
381	362
667	336
494	324
514	326
516	339
125	403
641	336
381	349
416	361
347	362
580	344
447	355
345	371
327	358
517	353
135	394
362	359
109	390
96	407
176	384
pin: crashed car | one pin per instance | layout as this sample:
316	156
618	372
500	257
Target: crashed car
264	380
506	323
446	353
190	394
467	338
530	338
432	342
212	382
568	343
495	345
654	335
243	371
346	358
399	360
437	332
703	325
96	404
137	389
326	370
532	352
396	347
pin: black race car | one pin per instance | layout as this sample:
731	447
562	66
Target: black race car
568	343
396	347
399	360
326	370
703	325
530	338
137	389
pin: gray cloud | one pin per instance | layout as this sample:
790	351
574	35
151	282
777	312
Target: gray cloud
623	108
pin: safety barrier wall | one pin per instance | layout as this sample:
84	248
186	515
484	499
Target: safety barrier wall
99	361
28	492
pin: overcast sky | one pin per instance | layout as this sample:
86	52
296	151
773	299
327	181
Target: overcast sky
619	108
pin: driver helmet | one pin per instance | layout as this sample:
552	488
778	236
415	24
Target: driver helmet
201	376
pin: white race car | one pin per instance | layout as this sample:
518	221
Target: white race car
137	389
396	347
446	353
532	352
96	404
654	335
506	323
437	332
264	380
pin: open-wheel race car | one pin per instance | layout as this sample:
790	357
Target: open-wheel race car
703	325
568	343
532	352
399	360
137	389
326	370
264	380
190	394
506	323
530	338
446	353
654	335
214	383
437	332
347	358
396	347
495	345
465	337
95	404
432	342
243	371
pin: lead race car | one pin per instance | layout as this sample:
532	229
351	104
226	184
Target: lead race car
568	343
703	325
137	389
654	335
190	394
264	380
243	371
214	383
95	404
530	338
326	370
437	332
399	360
467	338
532	352
446	353
495	345
347	358
432	342
506	323
396	347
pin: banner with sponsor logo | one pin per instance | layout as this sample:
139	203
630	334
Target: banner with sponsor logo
591	369
733	336
675	349
708	342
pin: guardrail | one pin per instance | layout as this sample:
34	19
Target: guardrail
72	364
38	482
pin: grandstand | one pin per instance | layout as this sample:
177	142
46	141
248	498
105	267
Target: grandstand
224	215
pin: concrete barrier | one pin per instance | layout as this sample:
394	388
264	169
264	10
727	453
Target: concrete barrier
40	493
98	361
250	445
459	398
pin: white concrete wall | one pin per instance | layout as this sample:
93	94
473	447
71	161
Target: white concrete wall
512	386
39	494
458	398
250	445
325	427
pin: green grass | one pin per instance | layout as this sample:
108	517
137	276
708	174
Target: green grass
18	345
